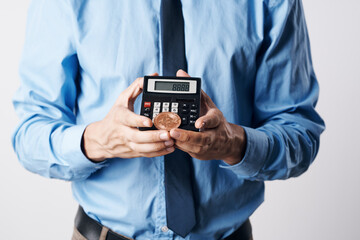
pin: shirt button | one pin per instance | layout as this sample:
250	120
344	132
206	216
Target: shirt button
164	229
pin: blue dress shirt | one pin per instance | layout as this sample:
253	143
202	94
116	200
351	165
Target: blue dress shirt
254	60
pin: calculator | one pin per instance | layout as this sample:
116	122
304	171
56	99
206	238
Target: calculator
180	95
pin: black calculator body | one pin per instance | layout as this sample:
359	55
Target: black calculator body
180	95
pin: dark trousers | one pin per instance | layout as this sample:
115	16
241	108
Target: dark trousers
88	229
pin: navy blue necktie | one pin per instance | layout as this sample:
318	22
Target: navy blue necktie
180	210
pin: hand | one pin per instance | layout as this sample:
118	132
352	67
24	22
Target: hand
117	134
217	139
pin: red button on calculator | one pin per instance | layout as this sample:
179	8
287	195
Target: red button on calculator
147	104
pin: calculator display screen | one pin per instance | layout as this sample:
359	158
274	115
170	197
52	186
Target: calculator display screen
172	86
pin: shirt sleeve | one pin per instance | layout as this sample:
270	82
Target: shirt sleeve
48	140
285	137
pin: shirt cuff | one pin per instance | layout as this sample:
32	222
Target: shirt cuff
71	150
255	154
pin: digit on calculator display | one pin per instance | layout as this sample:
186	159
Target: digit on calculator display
181	86
172	86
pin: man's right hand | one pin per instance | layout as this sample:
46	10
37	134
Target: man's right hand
117	136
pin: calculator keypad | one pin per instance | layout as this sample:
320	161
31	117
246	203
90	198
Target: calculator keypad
187	112
154	115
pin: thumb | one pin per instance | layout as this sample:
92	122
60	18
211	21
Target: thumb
129	95
211	119
182	73
207	100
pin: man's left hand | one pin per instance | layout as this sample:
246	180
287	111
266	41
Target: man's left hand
218	139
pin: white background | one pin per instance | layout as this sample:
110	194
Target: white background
324	203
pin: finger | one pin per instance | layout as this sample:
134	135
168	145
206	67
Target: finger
195	138
150	147
128	118
159	153
182	73
137	136
129	95
207	100
131	92
189	148
132	154
211	119
136	87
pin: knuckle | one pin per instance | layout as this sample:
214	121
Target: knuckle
123	98
222	139
156	137
217	111
133	147
132	136
159	146
147	155
200	140
206	140
197	150
111	146
138	81
120	136
187	138
120	114
195	138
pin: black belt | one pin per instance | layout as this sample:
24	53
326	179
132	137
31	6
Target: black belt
91	229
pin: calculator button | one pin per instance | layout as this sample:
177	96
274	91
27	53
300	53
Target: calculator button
147	104
147	115
157	104
184	110
193	106
174	105
192	117
174	110
166	104
192	122
184	121
156	110
154	115
184	105
165	109
193	111
147	109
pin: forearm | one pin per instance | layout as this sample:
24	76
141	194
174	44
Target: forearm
283	138
52	149
280	151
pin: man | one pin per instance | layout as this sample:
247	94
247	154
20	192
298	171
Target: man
79	107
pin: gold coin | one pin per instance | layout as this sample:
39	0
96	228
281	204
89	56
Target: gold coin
167	121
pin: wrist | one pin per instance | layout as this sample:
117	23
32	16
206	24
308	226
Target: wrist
90	145
238	145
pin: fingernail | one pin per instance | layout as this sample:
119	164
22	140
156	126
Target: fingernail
164	136
200	125
170	149
147	124
169	143
175	134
